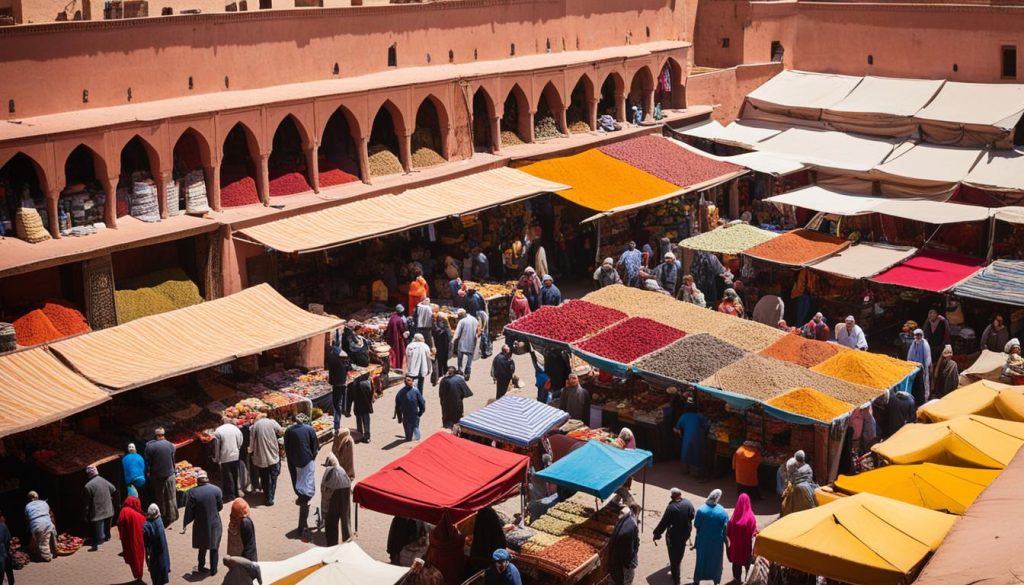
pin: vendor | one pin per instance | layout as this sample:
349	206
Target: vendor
502	572
746	461
946	375
851	335
816	328
418	288
1014	362
996	335
575	399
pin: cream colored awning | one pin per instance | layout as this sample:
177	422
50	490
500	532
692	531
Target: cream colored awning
882	106
864	260
802	94
973	114
929	163
37	389
178	342
834	202
998	170
828	148
388	214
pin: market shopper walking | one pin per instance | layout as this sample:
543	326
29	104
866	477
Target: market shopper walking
134	467
343	448
336	500
710	523
550	296
575	399
676	524
227	446
936	333
442	333
418	361
99	497
265	454
202	506
946	375
530	284
409	407
476	306
241	531
241	571
395	334
301	446
43	544
130	522
503	368
452	392
624	547
338	367
692	427
920	352
424	320
158	558
159	455
745	462
362	400
465	341
740	533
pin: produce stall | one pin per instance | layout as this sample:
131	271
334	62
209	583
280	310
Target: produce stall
518	422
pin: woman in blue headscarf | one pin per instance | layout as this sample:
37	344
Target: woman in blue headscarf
710	523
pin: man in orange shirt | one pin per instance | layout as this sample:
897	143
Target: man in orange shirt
745	462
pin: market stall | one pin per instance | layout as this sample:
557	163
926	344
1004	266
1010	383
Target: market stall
515	421
983	398
969	441
943	488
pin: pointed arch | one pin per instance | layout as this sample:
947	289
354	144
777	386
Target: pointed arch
239	167
669	90
579	104
515	117
386	134
287	168
85	186
612	96
642	81
138	156
22	173
191	152
84	165
428	139
338	153
483	114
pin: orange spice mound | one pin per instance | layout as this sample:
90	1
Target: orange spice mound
811	403
35	328
797	247
801	351
65	318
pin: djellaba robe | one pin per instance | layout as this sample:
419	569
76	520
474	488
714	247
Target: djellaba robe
693	427
946	378
129	530
395	334
710	523
157	556
203	505
418	290
741	530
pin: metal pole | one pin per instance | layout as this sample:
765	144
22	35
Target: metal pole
643	501
357	517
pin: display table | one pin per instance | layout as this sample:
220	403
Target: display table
568	543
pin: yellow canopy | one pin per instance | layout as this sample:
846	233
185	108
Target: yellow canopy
936	487
981	398
860	539
968	441
600	182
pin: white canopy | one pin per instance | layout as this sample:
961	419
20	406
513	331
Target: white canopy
801	94
761	162
864	260
828	148
930	162
825	200
344	564
741	133
998	170
882	106
1011	214
972	114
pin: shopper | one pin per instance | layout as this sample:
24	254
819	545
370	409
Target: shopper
606	274
799	494
676	523
476	306
409	407
418	361
550	296
265	454
946	375
465	341
745	462
710	523
241	571
202	506
41	529
301	446
816	328
503	368
336	500
519	307
442	334
418	288
936	333
158	558
241	531
996	335
424	320
362	400
667	274
159	455
624	547
502	572
731	304
530	285
130	522
134	466
920	352
740	533
689	293
227	446
452	392
630	261
99	496
692	427
338	367
343	448
575	399
395	335
6	562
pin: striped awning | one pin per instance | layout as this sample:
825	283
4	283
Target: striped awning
178	342
999	282
388	214
37	389
515	419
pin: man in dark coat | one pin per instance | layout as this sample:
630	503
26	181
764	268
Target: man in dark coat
159	455
677	522
203	505
575	400
452	391
556	366
362	404
409	407
624	547
98	496
6	563
338	367
502	370
158	558
300	447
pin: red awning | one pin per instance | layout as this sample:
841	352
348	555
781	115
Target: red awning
931	270
442	474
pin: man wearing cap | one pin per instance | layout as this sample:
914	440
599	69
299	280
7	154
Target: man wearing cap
606	275
667	274
851	335
203	505
159	455
464	341
502	571
40	527
549	293
920	352
676	523
98	496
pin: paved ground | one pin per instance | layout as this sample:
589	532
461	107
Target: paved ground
272	523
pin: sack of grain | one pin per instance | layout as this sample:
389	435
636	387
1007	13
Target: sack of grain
144	202
29	226
195	193
172	198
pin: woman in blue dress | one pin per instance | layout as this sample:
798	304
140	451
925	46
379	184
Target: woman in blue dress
710	523
692	427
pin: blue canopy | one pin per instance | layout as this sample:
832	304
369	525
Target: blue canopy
596	468
515	419
999	282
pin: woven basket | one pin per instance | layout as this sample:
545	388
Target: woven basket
29	226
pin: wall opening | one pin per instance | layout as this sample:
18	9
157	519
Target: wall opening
1008	68
288	171
642	83
607	105
427	146
338	158
383	150
577	116
135	163
20	186
515	118
871	59
191	154
777	52
393	56
136	191
483	112
725	42
238	168
83	202
669	90
547	121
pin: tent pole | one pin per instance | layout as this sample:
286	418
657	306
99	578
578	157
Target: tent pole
643	501
357	518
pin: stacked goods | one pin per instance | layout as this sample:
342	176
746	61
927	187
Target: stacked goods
8	337
288	184
545	127
247	411
728	239
19	558
765	378
123	202
172	198
493	289
797	248
539	541
801	351
426	157
632	301
748	335
579	127
811	403
172	283
87	206
692	358
65	318
631	339
67	544
194	185
667	161
548	524
239	191
510	138
870	369
186	475
28	226
569	322
35	328
142	302
517	537
382	161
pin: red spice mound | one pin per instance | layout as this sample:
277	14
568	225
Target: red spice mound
65	317
568	322
289	184
35	328
669	162
801	351
241	191
332	174
797	247
631	340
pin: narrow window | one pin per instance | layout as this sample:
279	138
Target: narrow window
1009	69
777	51
393	56
725	42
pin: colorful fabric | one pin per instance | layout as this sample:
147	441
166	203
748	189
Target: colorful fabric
931	270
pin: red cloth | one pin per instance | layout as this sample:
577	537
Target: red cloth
520	306
741	530
129	530
931	270
443	474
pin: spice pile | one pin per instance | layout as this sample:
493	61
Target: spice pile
799	350
569	553
797	248
869	369
35	328
632	301
579	127
237	187
630	340
728	239
692	358
154	293
510	138
288	184
748	335
332	174
426	157
811	403
663	159
545	127
569	322
65	317
765	378
382	161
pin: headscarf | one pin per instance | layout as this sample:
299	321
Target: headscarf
239	510
91	471
740	530
627	438
608	262
129	529
153	511
500	555
1011	344
301	418
334	479
743	515
713	497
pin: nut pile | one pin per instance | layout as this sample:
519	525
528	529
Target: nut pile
692	358
568	322
748	335
765	378
569	553
579	127
426	157
630	340
802	351
545	127
382	161
728	239
510	138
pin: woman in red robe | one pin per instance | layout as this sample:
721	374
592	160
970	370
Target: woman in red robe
129	529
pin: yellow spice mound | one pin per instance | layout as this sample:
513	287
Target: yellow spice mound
811	403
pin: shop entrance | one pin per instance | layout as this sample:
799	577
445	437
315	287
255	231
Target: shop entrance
238	169
338	157
483	113
20	186
428	147
515	118
83	201
641	86
669	90
577	117
191	154
287	165
611	86
383	150
547	121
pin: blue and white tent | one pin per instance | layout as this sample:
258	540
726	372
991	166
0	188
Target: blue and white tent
514	419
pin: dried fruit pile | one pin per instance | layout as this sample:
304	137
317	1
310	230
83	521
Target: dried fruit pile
812	404
631	340
667	161
692	358
765	378
426	157
579	127
799	350
869	369
569	322
797	248
545	127
382	161
510	138
239	192
569	553
288	184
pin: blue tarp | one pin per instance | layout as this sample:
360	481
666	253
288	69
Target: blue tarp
596	468
515	419
999	282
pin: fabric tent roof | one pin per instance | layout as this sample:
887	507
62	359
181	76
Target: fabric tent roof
37	389
689	168
930	163
828	148
731	239
515	419
981	398
864	260
988	366
998	170
937	487
931	270
802	94
890	96
836	202
762	162
596	468
387	214
1002	281
1011	214
973	114
969	441
443	474
177	342
741	133
827	200
984	546
588	175
344	564
860	539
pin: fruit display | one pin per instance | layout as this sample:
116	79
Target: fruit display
538	542
323	424
491	289
551	525
586	434
67	544
569	322
569	553
186	476
308	385
247	411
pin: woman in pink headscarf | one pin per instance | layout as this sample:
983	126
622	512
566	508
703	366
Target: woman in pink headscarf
129	530
739	537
